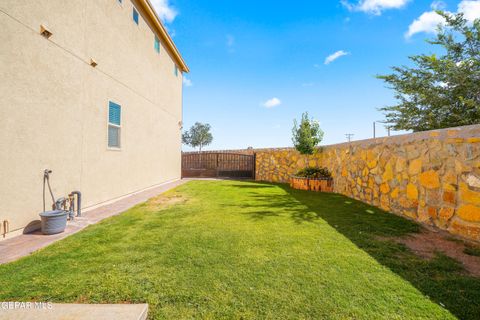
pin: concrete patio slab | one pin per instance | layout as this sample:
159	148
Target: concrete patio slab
23	245
60	311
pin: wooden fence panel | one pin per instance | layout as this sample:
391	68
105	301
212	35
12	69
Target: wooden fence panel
218	165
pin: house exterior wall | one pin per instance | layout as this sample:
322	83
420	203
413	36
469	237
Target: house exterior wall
54	104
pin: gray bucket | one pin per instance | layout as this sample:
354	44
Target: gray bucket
53	221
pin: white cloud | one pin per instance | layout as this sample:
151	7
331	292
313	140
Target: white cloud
187	82
374	6
165	11
272	103
470	9
429	21
335	56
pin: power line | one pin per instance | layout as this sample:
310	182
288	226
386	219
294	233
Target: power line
349	136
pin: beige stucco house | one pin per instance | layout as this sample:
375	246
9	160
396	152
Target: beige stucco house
91	89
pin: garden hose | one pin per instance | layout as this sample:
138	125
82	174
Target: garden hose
46	178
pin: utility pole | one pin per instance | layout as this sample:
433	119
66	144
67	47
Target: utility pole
349	136
374	135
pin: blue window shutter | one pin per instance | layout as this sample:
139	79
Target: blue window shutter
135	15
114	113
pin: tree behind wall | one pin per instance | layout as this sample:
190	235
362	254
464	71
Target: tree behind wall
307	135
198	136
439	92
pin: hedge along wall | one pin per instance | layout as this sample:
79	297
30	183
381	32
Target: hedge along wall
432	177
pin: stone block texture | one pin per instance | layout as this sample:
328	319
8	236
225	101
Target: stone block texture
432	177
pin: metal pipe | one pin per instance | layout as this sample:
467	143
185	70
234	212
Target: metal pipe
6	228
71	207
79	202
60	204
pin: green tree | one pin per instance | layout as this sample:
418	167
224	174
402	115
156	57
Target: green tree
306	136
439	91
198	136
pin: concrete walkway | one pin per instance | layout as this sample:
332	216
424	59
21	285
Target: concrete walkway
23	245
60	311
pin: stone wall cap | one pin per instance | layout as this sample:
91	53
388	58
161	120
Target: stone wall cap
463	132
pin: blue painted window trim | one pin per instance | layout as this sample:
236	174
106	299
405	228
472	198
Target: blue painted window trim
175	71
135	15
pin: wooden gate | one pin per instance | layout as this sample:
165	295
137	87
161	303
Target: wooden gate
218	165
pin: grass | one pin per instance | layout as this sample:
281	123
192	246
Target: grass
248	250
472	250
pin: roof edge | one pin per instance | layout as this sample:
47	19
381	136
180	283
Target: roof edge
148	7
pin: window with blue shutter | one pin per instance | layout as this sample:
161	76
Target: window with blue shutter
114	111
175	71
135	15
114	124
157	44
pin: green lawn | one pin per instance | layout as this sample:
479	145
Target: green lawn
229	249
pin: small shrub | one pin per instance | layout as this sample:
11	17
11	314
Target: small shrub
314	172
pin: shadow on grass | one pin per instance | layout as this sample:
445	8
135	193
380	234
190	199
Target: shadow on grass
441	278
253	186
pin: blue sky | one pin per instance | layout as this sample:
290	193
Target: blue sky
257	65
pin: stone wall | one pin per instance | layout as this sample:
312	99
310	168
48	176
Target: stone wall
432	177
